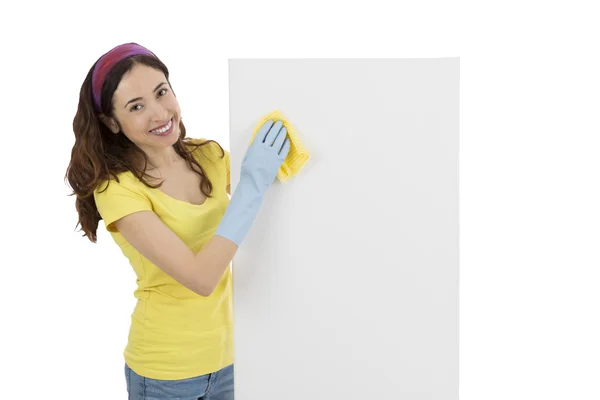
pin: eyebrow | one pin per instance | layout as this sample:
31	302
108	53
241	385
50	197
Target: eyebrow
140	98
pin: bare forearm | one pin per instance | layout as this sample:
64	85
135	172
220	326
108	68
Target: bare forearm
212	261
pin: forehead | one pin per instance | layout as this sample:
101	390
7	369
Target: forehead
140	81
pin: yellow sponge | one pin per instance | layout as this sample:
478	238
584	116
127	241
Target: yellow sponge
297	157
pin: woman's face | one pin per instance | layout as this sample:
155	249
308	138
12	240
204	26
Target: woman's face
144	102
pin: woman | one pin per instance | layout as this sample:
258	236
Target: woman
164	198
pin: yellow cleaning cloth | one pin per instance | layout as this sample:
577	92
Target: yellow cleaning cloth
297	157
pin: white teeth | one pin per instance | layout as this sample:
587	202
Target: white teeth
163	130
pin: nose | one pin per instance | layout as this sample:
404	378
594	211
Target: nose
160	113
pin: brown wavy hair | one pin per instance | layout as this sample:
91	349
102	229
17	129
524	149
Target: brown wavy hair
98	154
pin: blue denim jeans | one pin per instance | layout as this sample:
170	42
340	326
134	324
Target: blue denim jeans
215	386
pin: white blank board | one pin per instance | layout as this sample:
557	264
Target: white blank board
347	285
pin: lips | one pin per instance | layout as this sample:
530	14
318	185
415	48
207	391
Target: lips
161	127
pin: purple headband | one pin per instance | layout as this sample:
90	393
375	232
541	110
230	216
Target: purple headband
106	63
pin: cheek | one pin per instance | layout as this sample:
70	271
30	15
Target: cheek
138	122
172	102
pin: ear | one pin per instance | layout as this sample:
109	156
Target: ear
109	122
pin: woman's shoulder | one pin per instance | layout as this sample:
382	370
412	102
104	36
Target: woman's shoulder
207	147
122	179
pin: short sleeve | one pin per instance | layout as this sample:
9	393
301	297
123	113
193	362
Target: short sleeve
118	200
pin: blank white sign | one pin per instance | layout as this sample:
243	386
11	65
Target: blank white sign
347	285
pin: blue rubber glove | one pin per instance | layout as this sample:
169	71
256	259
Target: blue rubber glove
259	169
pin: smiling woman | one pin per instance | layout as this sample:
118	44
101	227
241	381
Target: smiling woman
164	199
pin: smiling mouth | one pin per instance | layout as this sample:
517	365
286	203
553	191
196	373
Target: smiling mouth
164	129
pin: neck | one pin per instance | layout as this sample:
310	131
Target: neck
162	160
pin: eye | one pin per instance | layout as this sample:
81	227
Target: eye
133	108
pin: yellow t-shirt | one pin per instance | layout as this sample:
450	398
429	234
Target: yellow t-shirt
174	333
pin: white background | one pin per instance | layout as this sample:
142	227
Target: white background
529	196
349	277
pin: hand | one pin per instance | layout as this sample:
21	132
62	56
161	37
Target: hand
265	155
